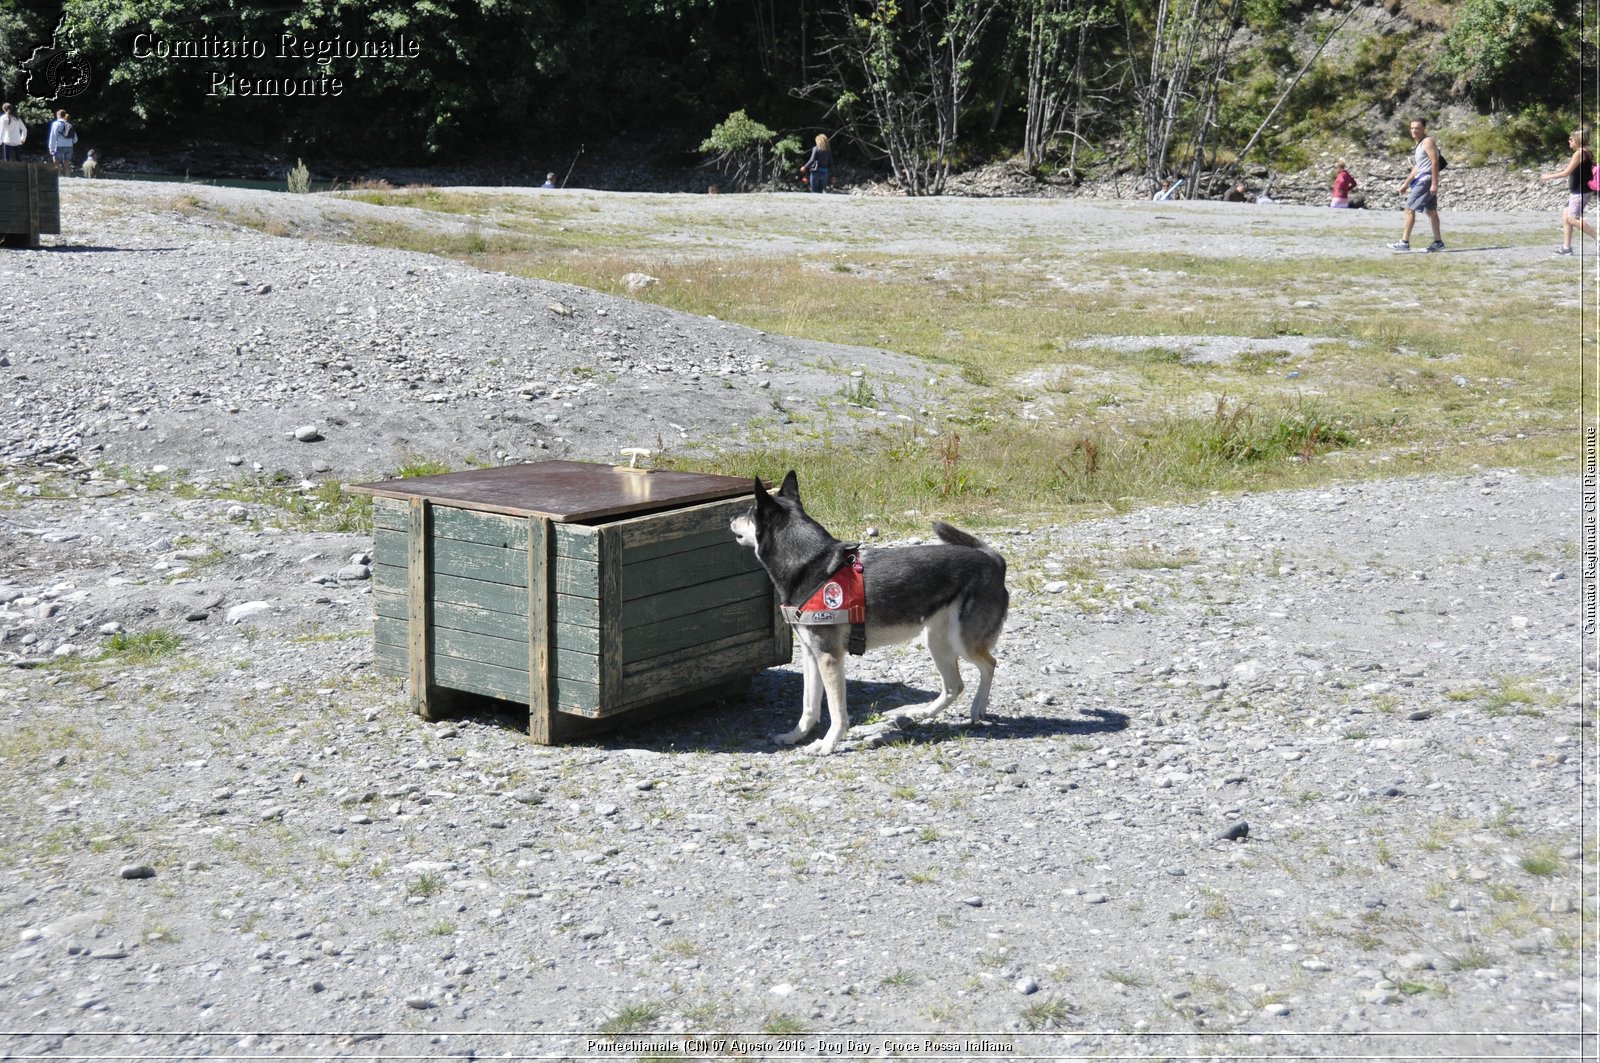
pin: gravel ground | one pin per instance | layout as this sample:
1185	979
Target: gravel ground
1295	774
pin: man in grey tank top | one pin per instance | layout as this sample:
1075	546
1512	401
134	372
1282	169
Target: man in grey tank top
1421	187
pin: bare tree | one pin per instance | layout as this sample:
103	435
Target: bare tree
1184	30
901	78
1056	36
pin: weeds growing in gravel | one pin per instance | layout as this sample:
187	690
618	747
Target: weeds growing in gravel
633	1018
1377	390
143	647
1046	1014
1542	862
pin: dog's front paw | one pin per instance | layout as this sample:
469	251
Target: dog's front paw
788	738
820	748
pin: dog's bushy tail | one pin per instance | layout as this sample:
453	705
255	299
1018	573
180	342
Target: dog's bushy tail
949	533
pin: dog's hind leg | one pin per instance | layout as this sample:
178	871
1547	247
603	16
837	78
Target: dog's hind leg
980	656
942	641
811	700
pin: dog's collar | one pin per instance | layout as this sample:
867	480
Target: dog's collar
842	598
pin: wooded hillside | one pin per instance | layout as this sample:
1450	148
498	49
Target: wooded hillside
917	87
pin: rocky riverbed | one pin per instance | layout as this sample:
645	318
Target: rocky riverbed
1295	774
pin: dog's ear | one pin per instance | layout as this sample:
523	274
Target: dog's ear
790	487
763	500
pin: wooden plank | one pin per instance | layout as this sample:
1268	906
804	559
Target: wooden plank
497	596
491	529
565	662
611	615
693	541
33	207
493	564
567	491
675	524
688	635
666	678
541	623
481	621
49	200
713	594
687	570
417	611
576	648
454	673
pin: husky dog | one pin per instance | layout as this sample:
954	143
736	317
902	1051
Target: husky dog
954	591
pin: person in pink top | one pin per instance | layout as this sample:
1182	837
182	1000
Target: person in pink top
1578	172
1344	183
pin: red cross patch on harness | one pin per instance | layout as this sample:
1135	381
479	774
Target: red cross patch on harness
842	599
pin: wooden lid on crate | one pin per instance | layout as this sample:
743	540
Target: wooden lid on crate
569	491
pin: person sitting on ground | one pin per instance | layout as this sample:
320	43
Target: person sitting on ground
1169	190
91	163
549	181
1237	194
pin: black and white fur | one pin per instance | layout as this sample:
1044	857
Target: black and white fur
954	591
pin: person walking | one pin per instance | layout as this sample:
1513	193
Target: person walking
63	138
1579	171
1421	187
819	167
1344	183
13	131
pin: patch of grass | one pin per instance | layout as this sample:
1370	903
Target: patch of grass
633	1018
781	1025
142	647
1383	392
321	507
1472	958
1542	862
418	466
426	884
1514	697
1047	1014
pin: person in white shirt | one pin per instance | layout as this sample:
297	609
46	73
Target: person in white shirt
13	131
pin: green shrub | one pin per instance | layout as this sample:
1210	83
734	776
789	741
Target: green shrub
300	177
741	148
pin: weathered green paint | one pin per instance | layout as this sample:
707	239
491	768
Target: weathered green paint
489	529
494	564
30	201
498	597
419	674
620	616
543	659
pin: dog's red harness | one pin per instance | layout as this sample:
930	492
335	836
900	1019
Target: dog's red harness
842	599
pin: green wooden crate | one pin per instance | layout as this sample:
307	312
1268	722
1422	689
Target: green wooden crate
30	201
586	592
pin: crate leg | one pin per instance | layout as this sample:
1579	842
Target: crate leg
609	549
542	723
418	634
33	207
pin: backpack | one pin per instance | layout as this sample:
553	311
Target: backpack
1443	162
1594	172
